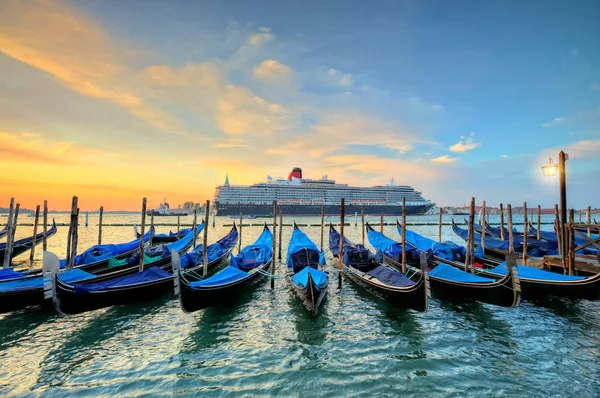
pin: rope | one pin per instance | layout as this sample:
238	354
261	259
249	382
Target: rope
268	274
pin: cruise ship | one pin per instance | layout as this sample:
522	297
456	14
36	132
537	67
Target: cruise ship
300	196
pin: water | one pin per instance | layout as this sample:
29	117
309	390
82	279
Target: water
266	344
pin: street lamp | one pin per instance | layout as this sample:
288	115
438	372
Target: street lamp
550	170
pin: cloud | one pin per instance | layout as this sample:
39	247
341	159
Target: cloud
465	144
239	111
232	143
343	79
272	69
263	35
554	122
583	150
444	159
79	53
63	148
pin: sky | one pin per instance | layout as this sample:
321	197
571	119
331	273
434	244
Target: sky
115	101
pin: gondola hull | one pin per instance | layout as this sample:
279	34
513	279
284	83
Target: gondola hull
415	297
69	303
23	245
535	289
193	299
311	296
506	292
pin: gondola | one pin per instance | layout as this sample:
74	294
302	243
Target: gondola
537	283
448	281
164	238
107	290
25	291
94	259
305	270
250	265
360	266
4	231
551	237
22	245
499	248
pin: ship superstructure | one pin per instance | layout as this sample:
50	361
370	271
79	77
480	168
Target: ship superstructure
298	196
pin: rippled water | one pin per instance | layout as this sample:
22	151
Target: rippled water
266	344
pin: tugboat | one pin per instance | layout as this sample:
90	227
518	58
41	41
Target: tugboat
165	210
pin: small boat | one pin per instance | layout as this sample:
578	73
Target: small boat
18	291
164	238
250	265
537	283
305	270
362	267
245	217
4	231
107	290
446	277
165	210
22	245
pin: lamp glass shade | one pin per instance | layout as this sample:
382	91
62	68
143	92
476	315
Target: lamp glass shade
550	170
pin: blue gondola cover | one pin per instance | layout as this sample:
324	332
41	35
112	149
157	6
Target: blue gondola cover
227	275
147	275
318	277
448	272
536	273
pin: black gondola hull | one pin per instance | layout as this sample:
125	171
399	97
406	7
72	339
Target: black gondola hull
24	245
505	292
193	299
311	296
414	298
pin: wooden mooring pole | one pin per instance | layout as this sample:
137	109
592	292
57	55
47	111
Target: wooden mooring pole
502	237
483	229
195	226
471	238
381	223
33	242
151	229
524	233
179	223
9	232
204	240
570	227
45	226
403	235
511	242
588	220
75	238
274	244
539	221
240	241
341	251
322	225
100	225
440	226
558	230
70	232
142	232
280	232
362	223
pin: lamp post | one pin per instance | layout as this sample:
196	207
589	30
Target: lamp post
550	170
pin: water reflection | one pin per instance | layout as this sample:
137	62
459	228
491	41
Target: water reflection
92	330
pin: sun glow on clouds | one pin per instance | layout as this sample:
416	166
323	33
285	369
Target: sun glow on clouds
465	144
235	121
